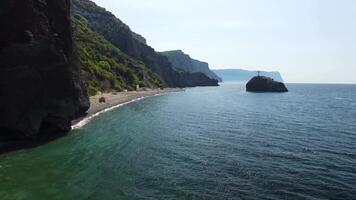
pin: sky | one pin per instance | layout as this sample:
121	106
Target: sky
308	41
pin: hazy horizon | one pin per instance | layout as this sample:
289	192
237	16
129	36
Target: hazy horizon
307	41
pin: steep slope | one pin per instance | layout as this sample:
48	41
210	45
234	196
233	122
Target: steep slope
40	86
183	61
105	67
241	75
120	35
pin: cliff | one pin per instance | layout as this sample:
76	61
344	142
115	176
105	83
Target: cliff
40	86
265	84
180	60
121	36
240	75
105	67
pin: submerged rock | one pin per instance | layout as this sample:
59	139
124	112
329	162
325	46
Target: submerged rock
265	84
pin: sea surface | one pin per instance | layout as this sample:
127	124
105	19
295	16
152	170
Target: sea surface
204	143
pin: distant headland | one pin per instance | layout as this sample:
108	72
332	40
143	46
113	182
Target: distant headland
241	75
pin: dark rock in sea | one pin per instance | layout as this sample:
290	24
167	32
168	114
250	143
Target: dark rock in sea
40	86
265	84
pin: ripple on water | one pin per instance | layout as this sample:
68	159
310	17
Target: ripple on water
204	143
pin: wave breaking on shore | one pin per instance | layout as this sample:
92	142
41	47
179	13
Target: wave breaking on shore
87	119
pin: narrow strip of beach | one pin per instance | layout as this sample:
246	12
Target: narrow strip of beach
115	99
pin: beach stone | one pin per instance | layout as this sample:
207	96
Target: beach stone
102	100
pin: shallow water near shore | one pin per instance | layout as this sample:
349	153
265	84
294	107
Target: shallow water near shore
204	143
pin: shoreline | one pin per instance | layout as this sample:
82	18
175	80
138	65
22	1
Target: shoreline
115	100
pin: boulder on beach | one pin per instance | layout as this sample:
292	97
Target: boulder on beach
265	84
102	100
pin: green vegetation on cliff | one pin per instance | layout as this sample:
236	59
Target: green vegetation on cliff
132	44
104	66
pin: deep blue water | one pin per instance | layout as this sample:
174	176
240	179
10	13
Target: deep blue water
204	143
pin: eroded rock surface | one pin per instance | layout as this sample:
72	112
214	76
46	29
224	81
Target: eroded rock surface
40	86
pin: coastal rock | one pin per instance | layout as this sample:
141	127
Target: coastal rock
120	35
180	60
40	86
265	84
104	66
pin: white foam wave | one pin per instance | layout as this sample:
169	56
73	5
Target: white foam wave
86	120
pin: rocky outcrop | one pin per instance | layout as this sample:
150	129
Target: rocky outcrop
180	60
184	79
105	67
40	86
139	38
240	75
120	35
265	84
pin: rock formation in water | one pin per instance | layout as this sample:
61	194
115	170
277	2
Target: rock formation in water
180	60
265	84
134	45
240	75
40	86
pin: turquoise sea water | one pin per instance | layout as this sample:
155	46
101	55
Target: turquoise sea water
204	143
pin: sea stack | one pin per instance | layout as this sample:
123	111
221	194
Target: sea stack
265	84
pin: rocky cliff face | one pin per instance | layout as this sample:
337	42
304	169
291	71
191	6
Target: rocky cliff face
120	35
40	86
139	37
105	67
180	60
